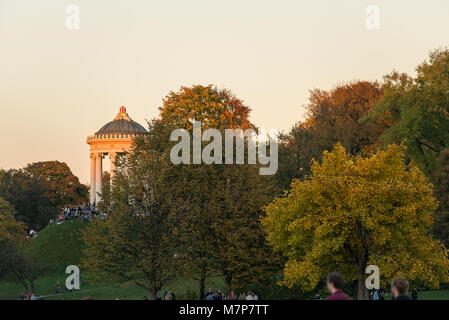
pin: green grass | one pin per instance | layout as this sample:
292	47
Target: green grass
60	245
430	295
46	286
434	295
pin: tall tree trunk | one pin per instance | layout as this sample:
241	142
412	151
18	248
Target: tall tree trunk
154	292
228	279
361	292
202	283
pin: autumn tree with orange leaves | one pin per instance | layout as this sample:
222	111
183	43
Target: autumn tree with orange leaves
332	116
214	107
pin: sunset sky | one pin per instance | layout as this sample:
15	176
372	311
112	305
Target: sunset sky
58	86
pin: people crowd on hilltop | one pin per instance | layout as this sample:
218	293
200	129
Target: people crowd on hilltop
85	212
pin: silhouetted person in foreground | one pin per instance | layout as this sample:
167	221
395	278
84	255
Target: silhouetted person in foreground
335	283
399	289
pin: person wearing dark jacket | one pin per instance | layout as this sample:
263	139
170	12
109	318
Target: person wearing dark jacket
335	283
399	289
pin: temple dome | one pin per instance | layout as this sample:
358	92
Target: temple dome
122	124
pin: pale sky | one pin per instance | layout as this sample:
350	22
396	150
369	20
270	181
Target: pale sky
58	86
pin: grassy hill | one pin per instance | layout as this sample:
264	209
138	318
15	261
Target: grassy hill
57	246
60	245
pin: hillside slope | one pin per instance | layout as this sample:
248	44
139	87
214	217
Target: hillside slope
60	245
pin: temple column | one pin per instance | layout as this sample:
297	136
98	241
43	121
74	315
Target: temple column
92	179
98	176
112	157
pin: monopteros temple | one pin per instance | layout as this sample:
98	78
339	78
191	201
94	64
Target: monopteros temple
113	138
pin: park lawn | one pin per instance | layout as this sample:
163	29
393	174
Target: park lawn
46	286
434	295
183	288
61	245
429	295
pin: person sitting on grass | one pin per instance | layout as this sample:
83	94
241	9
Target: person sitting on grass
335	283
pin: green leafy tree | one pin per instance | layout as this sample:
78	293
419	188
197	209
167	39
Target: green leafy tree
16	262
219	226
135	243
417	110
105	203
218	206
39	191
441	180
28	196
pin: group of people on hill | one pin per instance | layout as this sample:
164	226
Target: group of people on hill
85	212
219	295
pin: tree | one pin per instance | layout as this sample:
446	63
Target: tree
240	246
62	187
215	108
12	234
105	203
28	196
218	207
441	180
417	110
219	228
38	191
135	243
15	261
353	212
332	116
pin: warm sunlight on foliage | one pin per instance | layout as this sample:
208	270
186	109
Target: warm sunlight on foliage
354	211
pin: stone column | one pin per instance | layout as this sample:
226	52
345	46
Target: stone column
92	179
99	176
112	157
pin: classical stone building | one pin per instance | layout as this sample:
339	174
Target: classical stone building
113	138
